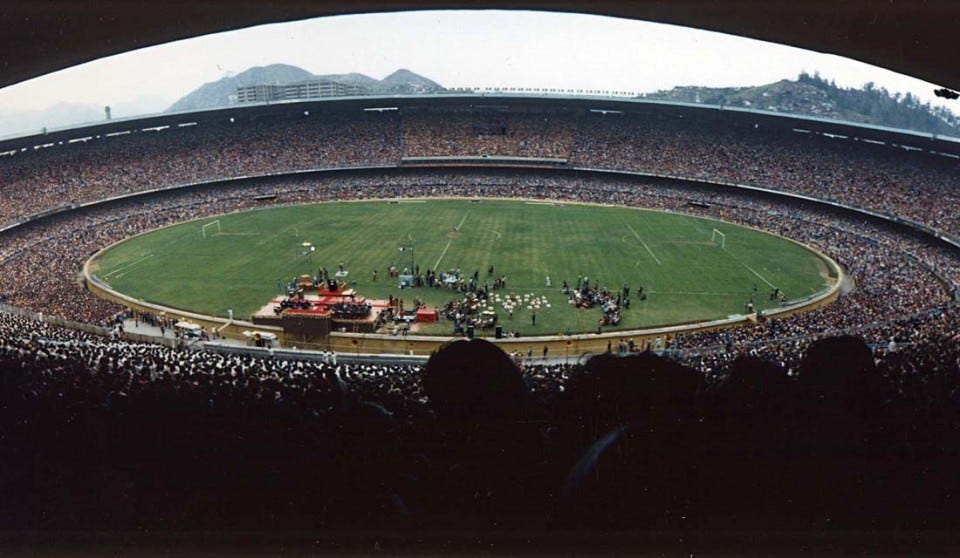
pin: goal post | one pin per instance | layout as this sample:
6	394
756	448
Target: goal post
210	225
719	238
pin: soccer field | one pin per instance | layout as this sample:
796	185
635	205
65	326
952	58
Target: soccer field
686	274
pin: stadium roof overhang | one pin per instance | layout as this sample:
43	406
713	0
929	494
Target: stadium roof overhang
914	38
738	118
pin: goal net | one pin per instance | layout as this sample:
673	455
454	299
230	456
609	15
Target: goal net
210	228
719	238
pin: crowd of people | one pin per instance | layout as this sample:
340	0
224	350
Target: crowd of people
883	178
494	133
895	275
442	445
471	311
96	169
202	441
351	310
610	303
913	184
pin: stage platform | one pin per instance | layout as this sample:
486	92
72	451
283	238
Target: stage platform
321	303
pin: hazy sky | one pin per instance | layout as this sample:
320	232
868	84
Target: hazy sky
456	48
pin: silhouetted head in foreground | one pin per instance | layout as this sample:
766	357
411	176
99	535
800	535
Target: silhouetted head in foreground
639	415
612	390
754	387
482	474
474	381
839	370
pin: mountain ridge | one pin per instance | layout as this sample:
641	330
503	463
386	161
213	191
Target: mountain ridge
218	93
812	95
808	95
17	122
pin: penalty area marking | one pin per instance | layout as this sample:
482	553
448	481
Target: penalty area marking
694	224
127	267
699	293
689	242
750	269
654	256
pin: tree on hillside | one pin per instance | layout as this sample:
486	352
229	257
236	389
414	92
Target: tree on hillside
883	108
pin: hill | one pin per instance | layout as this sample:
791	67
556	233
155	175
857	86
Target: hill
15	122
405	81
219	93
811	95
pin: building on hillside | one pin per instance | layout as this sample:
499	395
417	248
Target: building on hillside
310	89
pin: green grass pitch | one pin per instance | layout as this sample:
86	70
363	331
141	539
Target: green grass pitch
686	275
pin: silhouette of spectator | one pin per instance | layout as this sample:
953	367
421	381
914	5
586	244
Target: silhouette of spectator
611	391
836	371
642	470
486	465
473	382
842	397
748	436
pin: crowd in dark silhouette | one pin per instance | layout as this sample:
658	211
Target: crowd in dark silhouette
101	435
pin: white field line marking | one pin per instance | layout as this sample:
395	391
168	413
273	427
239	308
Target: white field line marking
436	265
125	267
654	256
412	201
410	236
753	271
702	293
449	242
694	224
689	242
462	221
499	236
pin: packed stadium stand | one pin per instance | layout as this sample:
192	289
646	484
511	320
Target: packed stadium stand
844	417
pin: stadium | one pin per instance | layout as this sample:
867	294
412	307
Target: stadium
339	426
554	150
